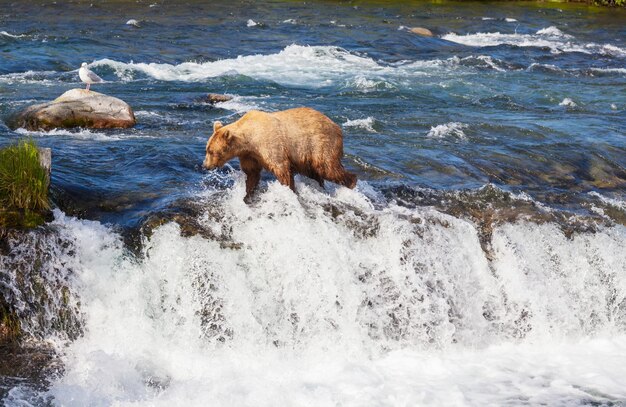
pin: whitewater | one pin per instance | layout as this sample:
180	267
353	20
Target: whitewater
341	298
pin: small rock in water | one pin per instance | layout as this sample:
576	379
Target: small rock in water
133	22
45	158
424	32
76	108
214	98
251	23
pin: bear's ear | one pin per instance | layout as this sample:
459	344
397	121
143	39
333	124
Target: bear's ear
217	126
227	136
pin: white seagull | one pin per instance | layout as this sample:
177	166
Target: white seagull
88	76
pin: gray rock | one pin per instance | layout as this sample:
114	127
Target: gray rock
76	108
214	98
424	32
45	158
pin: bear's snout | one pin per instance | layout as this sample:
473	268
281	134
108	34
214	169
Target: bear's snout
212	162
207	164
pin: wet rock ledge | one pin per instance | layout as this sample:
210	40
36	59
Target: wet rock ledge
76	108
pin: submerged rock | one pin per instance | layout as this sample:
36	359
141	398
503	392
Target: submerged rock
9	323
424	32
214	98
76	108
190	215
36	297
30	365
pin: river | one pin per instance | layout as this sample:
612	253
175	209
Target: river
479	261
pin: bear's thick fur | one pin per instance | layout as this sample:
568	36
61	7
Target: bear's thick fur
301	140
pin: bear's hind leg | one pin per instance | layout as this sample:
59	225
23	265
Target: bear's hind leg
285	177
340	176
320	181
349	179
311	173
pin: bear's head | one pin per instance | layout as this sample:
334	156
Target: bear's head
219	148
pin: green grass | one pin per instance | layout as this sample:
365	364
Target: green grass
610	2
23	185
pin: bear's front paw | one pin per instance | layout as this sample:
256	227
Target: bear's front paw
248	199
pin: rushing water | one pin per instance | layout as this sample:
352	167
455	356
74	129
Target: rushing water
479	261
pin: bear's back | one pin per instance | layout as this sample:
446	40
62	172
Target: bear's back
303	116
306	122
292	125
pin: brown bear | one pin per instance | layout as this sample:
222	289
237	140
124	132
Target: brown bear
300	140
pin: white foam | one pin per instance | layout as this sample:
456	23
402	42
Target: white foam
133	22
550	37
510	20
241	104
488	60
147	113
553	31
7	34
290	21
306	66
452	129
549	67
611	50
162	117
38	77
365	124
80	133
251	23
313	66
609	70
568	102
618	203
509	374
356	306
365	84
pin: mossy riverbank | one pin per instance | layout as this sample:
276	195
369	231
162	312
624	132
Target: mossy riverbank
24	204
24	186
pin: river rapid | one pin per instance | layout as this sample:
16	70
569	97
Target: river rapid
479	261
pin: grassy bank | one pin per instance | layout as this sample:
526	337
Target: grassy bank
23	186
611	3
590	4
